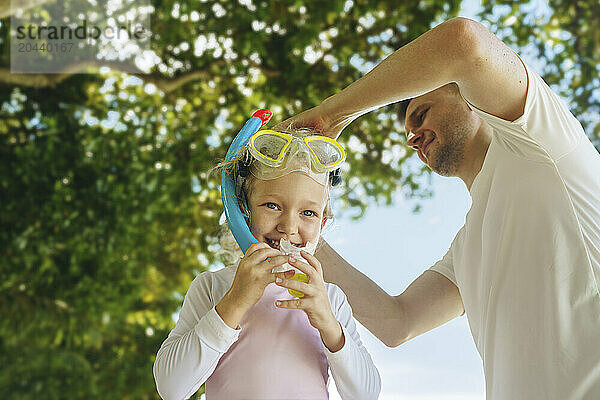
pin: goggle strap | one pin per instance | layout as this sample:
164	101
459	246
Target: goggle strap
336	177
243	168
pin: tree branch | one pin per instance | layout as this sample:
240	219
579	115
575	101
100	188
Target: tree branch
167	85
51	80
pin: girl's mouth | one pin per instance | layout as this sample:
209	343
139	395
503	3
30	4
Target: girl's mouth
275	243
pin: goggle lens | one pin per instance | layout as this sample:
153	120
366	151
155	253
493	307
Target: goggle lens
270	146
326	153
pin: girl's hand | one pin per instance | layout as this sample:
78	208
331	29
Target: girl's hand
315	302
253	275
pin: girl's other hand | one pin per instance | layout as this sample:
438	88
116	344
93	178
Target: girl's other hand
252	276
315	302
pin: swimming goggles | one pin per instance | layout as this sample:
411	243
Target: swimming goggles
276	149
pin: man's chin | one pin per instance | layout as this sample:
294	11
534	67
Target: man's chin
448	171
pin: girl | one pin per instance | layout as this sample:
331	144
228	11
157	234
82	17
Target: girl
240	331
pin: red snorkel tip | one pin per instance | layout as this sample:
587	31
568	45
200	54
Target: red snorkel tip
264	115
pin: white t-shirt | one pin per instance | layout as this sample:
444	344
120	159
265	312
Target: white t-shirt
527	260
276	354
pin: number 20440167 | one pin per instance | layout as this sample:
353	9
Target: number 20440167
45	47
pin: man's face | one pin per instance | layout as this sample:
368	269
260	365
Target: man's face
439	126
291	206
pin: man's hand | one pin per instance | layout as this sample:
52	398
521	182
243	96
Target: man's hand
316	118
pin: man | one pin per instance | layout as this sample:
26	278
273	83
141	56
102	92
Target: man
525	267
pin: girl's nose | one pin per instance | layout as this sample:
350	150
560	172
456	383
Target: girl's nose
288	224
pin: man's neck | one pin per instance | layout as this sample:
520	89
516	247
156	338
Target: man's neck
477	151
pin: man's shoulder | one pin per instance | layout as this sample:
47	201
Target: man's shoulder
546	127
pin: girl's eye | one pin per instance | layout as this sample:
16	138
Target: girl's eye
272	206
309	213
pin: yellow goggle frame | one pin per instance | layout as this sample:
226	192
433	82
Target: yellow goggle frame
311	142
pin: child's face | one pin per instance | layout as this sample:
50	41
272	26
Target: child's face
290	206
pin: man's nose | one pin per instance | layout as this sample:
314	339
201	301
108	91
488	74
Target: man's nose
414	139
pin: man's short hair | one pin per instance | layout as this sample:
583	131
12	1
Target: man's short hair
452	87
401	111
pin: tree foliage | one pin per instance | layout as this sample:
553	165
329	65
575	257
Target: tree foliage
108	211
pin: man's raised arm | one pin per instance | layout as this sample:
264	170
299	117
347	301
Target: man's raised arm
489	74
429	301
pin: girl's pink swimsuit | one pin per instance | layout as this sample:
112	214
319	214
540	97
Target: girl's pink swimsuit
277	349
276	354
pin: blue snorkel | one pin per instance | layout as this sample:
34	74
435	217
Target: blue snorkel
235	218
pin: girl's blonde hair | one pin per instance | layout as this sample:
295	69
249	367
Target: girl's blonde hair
239	171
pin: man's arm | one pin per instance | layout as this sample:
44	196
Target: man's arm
489	74
429	301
